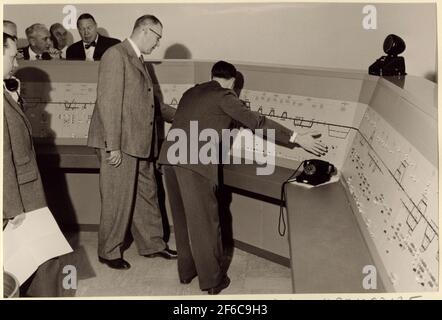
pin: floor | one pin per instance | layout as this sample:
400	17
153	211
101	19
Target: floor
249	274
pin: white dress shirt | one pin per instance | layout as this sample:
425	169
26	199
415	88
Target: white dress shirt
63	52
135	47
32	54
89	52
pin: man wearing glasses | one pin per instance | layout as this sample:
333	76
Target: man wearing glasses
124	133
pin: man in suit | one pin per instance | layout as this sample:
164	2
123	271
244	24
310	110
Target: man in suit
40	43
92	45
123	128
22	186
214	105
59	36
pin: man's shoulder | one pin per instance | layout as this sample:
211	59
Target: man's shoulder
108	40
115	50
75	46
209	86
23	53
213	88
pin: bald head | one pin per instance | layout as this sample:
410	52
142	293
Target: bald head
146	20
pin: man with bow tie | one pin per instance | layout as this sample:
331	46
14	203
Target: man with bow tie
125	134
92	45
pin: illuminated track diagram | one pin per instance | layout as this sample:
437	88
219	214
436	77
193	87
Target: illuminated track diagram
375	160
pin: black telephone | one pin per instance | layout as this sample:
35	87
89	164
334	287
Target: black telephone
316	172
11	84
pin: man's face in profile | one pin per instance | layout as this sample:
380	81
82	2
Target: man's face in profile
88	30
9	58
40	41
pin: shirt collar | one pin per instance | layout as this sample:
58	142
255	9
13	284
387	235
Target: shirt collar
32	54
135	47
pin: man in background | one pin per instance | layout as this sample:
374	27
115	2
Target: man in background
40	43
59	37
123	130
92	45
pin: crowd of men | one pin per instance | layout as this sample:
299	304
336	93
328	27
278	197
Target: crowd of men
44	44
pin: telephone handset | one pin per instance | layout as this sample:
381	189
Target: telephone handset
11	84
316	172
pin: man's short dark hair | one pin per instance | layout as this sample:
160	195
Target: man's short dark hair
224	70
7	36
146	19
85	16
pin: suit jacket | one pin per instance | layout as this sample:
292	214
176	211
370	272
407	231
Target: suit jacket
25	52
76	50
125	111
217	108
22	186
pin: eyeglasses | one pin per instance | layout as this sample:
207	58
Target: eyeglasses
157	34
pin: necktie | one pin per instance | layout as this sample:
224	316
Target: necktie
92	44
20	100
43	56
142	62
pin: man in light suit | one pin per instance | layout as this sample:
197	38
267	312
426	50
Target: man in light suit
22	186
214	105
92	45
124	130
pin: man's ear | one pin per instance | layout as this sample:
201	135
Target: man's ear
31	42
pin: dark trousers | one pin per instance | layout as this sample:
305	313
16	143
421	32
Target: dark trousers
195	215
129	199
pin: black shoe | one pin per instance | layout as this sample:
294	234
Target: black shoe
119	263
166	254
188	280
224	284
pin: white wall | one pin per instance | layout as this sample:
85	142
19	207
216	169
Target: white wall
322	35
